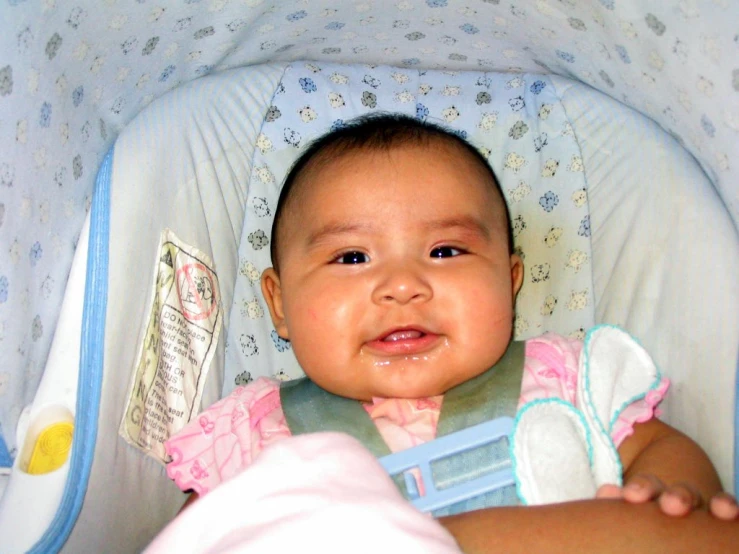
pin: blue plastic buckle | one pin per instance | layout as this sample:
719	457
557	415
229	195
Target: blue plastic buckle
422	456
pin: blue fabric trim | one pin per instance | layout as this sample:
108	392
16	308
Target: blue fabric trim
91	367
517	420
5	459
736	429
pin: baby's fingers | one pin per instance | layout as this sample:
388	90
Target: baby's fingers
723	506
611	492
679	500
642	488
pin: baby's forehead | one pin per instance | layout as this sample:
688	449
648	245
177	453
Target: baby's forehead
317	182
311	184
335	159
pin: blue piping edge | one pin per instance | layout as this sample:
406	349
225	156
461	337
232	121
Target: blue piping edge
736	429
6	460
91	367
526	407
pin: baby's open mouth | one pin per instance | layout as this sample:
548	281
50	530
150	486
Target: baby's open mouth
403	334
404	341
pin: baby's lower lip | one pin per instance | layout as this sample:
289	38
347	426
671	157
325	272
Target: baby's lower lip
406	346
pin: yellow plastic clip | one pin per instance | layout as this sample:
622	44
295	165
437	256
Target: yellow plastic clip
51	449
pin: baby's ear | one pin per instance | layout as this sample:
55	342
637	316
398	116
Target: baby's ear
272	292
516	273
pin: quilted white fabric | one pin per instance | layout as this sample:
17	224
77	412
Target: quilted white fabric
660	269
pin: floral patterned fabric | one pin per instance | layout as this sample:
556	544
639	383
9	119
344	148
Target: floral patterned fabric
73	74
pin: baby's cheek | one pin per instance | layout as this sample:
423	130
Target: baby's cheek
483	304
489	322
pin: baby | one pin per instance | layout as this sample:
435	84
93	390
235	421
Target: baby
394	278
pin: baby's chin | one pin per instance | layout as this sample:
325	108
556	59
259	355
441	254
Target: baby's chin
410	391
407	383
396	392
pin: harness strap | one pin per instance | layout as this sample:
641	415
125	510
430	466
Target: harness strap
488	396
310	409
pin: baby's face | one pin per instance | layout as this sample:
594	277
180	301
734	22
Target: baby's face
395	277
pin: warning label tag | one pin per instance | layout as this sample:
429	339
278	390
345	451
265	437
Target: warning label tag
174	358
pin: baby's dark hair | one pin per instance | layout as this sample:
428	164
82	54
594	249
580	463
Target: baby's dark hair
382	131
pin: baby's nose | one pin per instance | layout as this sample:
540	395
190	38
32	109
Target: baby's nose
403	284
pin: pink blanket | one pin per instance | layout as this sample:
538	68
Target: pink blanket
321	492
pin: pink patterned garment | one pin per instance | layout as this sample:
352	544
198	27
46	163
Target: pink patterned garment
227	437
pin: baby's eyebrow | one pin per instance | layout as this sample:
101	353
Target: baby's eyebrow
332	229
468	223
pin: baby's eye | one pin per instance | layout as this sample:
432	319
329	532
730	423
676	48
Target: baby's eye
352	258
445	252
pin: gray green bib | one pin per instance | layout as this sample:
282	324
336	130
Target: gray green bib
493	394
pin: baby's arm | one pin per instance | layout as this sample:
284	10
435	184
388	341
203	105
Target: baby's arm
674	500
610	525
663	465
601	526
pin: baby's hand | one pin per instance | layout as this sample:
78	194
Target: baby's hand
675	500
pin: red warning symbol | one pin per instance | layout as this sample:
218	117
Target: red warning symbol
197	292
